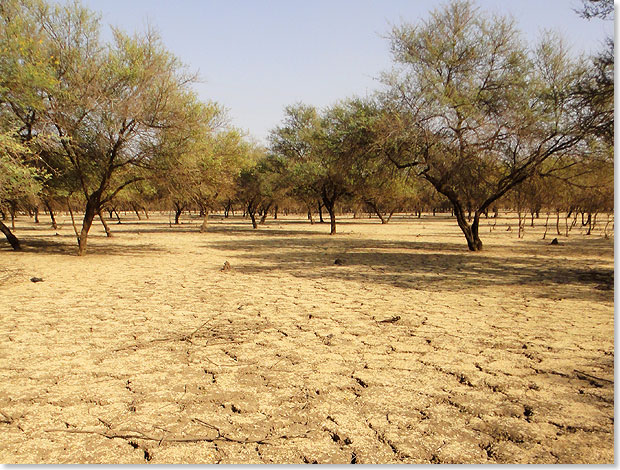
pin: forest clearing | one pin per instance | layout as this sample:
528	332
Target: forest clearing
411	349
307	232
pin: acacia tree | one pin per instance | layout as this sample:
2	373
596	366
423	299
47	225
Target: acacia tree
219	165
187	162
18	178
109	106
294	143
325	152
476	110
255	181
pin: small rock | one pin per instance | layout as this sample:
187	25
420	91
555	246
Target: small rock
555	242
36	279
339	261
226	266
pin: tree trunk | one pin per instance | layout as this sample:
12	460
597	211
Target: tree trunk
332	216
177	213
51	212
13	210
470	231
12	239
253	218
591	223
108	233
557	222
136	209
118	217
92	207
205	222
321	212
275	212
264	215
36	214
376	210
546	226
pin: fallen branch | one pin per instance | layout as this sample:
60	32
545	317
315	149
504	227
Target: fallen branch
186	337
132	434
591	377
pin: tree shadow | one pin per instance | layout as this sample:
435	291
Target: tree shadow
67	246
422	265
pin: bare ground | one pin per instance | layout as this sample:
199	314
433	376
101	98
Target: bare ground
412	350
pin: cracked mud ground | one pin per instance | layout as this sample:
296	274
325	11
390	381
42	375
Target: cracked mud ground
413	350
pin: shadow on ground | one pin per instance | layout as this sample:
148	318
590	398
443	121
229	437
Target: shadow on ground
68	247
424	265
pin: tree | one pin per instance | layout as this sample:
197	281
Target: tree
18	178
597	87
597	9
474	111
325	152
107	107
294	143
219	165
253	182
187	163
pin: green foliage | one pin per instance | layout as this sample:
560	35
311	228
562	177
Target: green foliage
481	110
18	178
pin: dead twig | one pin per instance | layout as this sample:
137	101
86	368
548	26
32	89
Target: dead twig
186	337
191	335
130	434
591	377
7	418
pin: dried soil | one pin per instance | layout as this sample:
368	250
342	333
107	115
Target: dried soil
411	349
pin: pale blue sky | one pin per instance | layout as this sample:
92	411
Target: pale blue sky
257	56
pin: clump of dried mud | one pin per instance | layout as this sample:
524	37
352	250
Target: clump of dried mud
410	350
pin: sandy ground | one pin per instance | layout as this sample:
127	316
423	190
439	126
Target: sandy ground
414	350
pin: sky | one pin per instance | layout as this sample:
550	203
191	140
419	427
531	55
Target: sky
255	57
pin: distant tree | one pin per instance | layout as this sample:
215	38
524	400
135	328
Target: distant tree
254	189
219	165
294	143
477	111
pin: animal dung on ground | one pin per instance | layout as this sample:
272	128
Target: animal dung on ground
226	266
339	261
36	279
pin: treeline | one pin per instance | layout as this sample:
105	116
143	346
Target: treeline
471	119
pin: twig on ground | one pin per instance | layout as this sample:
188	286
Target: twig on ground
185	337
592	377
137	434
7	418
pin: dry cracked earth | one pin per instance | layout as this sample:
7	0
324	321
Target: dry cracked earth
412	350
